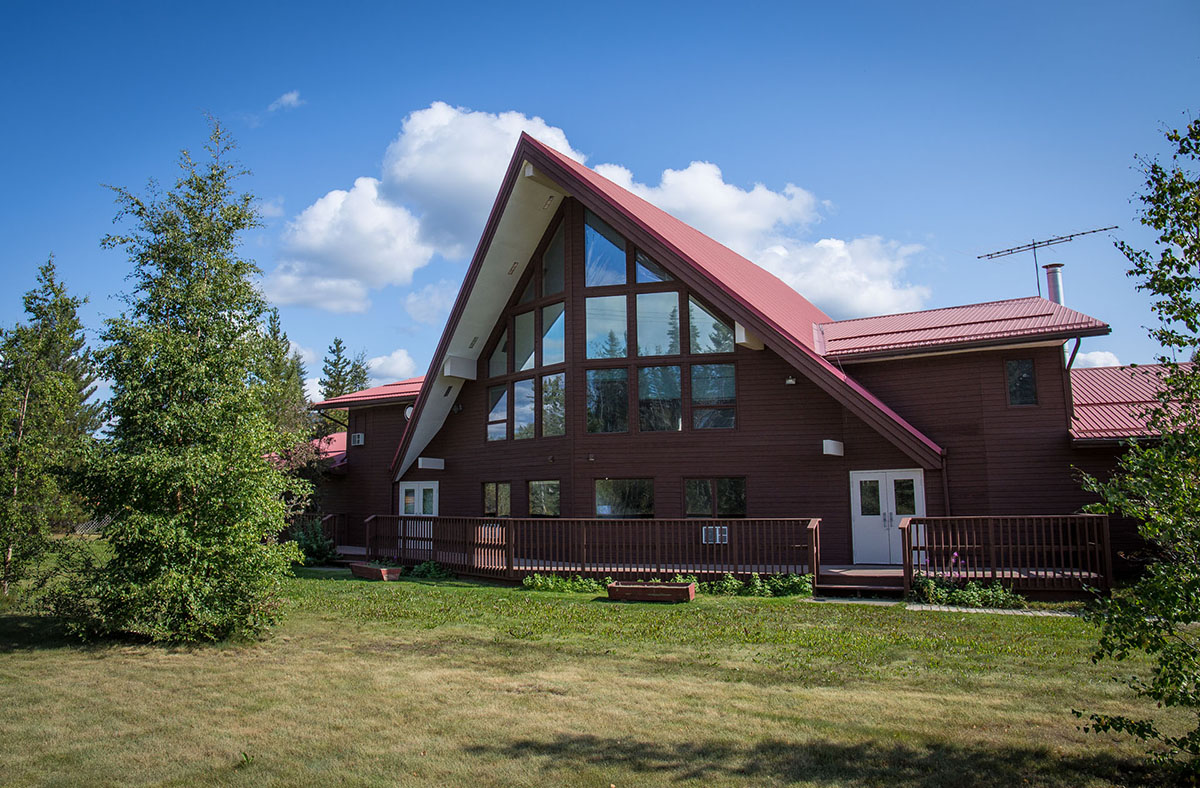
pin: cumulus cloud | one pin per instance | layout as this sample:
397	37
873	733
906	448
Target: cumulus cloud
308	356
271	209
312	389
439	180
431	303
289	100
397	365
1097	358
344	244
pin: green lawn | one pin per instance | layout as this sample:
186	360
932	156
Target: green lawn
418	683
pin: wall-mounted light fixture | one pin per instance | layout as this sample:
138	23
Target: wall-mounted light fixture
456	407
790	380
591	458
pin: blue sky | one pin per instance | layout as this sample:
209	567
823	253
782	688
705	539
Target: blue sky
865	152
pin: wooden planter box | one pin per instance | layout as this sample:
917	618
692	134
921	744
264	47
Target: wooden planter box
652	592
368	572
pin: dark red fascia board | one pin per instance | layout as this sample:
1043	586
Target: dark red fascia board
983	344
929	454
361	403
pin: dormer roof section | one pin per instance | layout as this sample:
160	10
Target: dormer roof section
537	180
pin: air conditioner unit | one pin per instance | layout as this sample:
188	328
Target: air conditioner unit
357	439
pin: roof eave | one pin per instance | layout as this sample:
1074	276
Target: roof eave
953	347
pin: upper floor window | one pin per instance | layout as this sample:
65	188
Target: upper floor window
498	363
604	253
554	405
553	334
606	331
554	264
657	323
660	406
708	333
1022	387
523	409
523	342
497	427
608	400
650	271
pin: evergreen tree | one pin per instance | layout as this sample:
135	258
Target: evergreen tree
281	392
46	378
196	505
340	375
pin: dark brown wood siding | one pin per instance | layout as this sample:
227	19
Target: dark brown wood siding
363	484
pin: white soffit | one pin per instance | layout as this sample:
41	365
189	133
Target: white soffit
526	215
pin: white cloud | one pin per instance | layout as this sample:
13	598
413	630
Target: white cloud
271	209
312	389
431	303
344	244
397	365
308	356
439	180
447	164
1097	358
289	100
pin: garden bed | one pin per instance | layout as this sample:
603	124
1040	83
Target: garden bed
629	591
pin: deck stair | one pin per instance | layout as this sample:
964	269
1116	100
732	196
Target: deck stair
860	579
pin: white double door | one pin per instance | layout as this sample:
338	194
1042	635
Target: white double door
879	500
419	498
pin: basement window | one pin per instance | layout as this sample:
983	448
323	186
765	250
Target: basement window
1022	386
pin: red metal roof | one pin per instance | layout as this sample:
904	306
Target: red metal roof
992	323
332	448
402	390
1110	402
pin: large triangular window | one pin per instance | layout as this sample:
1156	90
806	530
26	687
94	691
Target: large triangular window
604	253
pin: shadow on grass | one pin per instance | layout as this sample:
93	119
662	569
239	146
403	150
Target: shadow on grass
341	575
31	633
831	763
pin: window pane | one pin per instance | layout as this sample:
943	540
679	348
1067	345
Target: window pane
699	498
607	400
660	405
868	497
553	264
527	296
1022	389
657	324
708	334
489	498
427	500
410	501
497	429
523	341
554	405
523	409
713	418
731	497
553	335
606	327
604	253
650	271
503	499
625	497
906	496
498	363
713	384
544	499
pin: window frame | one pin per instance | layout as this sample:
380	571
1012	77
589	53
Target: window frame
483	498
529	497
595	502
1037	400
714	496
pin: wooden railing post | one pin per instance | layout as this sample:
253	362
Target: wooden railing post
906	551
369	525
991	524
1107	548
814	549
510	550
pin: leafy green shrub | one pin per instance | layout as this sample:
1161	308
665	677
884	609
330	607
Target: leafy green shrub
576	584
310	537
431	570
944	591
771	585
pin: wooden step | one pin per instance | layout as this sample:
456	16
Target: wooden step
836	588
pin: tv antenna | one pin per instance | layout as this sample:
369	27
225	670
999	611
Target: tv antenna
1033	246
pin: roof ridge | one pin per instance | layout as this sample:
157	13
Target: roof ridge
945	308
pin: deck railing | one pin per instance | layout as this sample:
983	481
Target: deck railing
1052	553
514	547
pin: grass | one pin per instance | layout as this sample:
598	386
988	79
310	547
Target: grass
455	683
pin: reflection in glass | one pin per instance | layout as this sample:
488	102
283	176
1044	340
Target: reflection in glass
553	264
868	497
660	406
714	395
625	497
707	333
527	295
497	428
650	271
427	500
657	324
544	499
523	341
906	496
498	363
523	409
497	497
554	405
604	253
1022	390
607	400
606	327
731	497
410	501
553	335
698	497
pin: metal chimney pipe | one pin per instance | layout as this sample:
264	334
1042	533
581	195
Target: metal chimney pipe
1054	289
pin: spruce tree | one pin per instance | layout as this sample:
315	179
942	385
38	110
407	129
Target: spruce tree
46	378
186	475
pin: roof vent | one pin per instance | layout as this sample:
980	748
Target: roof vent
1054	290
